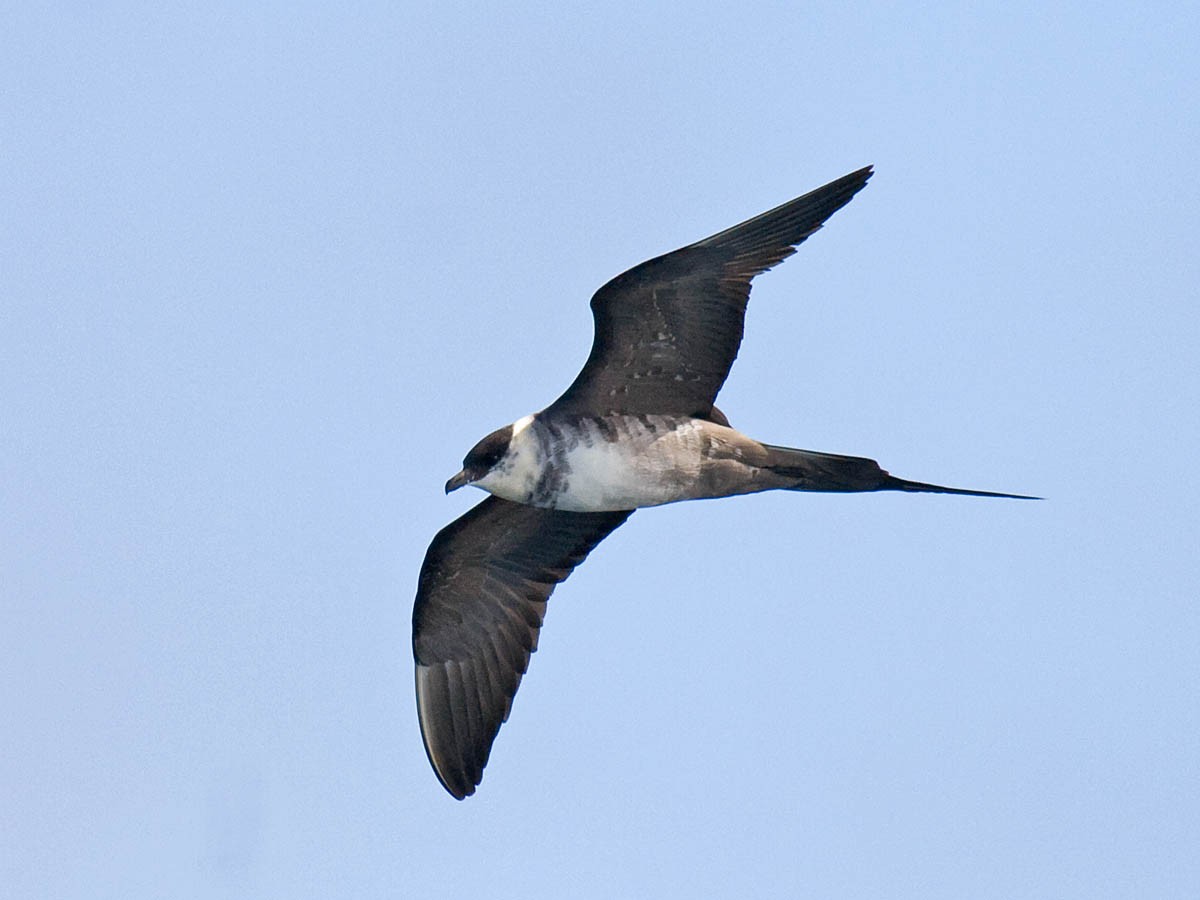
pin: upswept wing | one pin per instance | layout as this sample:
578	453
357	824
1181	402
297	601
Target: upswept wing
481	598
668	330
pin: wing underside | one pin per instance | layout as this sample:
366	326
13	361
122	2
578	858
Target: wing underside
481	599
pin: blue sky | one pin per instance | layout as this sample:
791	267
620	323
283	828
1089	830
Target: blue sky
267	272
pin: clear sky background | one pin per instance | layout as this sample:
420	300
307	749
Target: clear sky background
268	271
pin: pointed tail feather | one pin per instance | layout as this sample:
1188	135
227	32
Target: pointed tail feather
900	484
815	471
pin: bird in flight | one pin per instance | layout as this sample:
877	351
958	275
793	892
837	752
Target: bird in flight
636	428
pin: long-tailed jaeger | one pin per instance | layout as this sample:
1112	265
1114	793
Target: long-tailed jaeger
636	428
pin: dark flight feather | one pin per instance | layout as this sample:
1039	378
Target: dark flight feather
481	598
667	331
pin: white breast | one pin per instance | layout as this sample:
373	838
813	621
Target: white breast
620	462
654	461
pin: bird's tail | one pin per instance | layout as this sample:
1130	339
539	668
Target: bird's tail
815	471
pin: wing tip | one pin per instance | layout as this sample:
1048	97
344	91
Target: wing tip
863	175
853	182
453	777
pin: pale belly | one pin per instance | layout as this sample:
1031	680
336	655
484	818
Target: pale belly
607	476
652	460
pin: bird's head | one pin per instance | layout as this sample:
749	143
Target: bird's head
483	458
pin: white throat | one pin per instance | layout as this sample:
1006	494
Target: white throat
517	474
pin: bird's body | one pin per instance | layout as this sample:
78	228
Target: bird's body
615	462
637	428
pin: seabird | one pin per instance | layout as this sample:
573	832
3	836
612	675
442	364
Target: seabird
636	428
